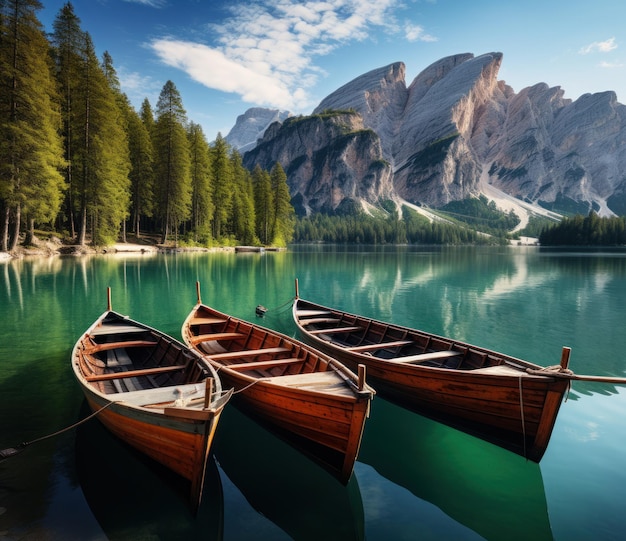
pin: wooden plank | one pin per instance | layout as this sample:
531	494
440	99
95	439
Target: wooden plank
263	364
206	320
306	322
311	313
135	373
382	345
117	329
116	345
248	353
422	357
336	330
217	336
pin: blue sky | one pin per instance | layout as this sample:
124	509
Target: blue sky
225	57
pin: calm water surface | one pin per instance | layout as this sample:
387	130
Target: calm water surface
415	479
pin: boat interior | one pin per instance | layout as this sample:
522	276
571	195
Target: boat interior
393	343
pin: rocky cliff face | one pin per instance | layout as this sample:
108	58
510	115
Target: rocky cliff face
453	131
251	126
331	161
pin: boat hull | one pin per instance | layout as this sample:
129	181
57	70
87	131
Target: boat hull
503	404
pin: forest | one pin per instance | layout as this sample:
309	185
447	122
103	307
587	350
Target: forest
590	230
77	159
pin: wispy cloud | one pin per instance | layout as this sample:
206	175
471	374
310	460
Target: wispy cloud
266	50
611	65
151	3
599	47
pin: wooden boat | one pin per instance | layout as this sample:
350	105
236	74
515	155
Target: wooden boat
499	398
308	398
152	392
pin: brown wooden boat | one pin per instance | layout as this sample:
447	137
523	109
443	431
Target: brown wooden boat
153	392
308	398
499	398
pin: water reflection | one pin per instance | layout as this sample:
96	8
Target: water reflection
493	492
126	492
283	485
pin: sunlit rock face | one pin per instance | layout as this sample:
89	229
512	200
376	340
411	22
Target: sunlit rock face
251	126
331	161
454	129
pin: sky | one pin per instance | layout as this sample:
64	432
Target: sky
227	56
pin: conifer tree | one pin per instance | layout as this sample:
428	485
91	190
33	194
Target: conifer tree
202	200
102	155
222	181
30	147
242	216
264	204
68	44
142	170
284	216
172	166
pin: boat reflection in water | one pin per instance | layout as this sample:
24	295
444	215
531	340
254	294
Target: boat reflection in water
495	493
133	497
286	487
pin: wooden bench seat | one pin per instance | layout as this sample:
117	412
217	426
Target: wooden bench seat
117	345
336	330
135	373
206	320
255	365
217	336
316	320
423	357
311	313
382	345
248	353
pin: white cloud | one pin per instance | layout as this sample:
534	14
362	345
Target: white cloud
266	50
599	47
151	3
611	65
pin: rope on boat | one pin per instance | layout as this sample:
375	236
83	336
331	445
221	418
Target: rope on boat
12	451
521	407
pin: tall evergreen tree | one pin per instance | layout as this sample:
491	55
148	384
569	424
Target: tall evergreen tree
102	155
30	147
172	166
264	204
242	215
284	216
69	43
202	202
222	180
142	170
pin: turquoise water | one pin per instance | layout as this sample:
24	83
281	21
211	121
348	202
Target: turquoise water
415	479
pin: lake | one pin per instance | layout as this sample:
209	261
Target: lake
414	479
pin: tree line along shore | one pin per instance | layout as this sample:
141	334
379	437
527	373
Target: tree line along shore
77	159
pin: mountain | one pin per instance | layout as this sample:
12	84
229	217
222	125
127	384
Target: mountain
251	126
455	132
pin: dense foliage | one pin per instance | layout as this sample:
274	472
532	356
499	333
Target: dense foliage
590	230
362	228
75	157
481	214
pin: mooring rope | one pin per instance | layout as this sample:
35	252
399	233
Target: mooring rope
282	308
12	451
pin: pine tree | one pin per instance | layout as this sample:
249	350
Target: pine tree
263	204
222	181
172	166
202	202
30	147
242	216
68	40
284	216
